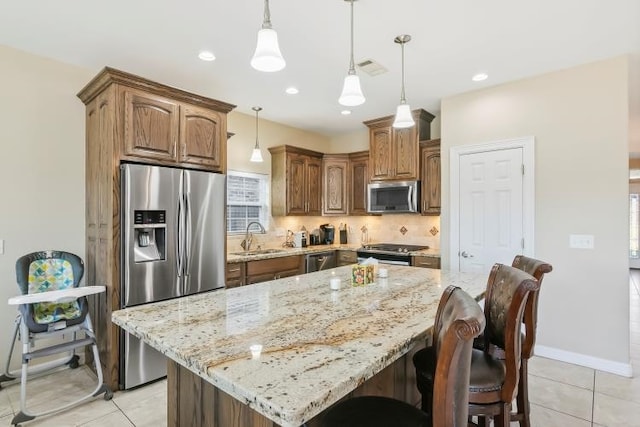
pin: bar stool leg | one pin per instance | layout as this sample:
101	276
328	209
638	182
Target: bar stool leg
523	396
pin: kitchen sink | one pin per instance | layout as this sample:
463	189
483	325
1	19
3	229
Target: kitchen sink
259	252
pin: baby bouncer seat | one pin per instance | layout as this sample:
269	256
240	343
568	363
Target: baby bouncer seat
52	304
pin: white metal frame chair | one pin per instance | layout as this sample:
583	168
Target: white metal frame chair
50	307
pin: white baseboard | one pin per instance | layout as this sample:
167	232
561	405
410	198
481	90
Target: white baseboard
623	369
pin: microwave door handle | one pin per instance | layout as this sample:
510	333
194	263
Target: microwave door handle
410	198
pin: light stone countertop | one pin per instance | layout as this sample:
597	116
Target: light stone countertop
235	257
317	344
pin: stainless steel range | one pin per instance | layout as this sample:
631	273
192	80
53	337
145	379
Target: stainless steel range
389	253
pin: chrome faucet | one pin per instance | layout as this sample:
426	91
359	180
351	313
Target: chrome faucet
248	237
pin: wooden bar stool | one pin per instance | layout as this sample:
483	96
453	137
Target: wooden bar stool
493	381
537	269
458	320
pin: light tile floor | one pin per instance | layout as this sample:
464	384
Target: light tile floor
561	394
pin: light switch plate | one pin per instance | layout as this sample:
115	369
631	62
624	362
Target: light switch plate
581	241
1	246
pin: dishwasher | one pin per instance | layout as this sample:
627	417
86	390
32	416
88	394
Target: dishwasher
320	261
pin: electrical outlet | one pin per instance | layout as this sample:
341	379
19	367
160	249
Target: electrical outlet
1	246
279	232
581	241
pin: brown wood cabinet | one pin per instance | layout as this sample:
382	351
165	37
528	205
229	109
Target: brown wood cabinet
235	274
425	262
393	153
274	268
165	131
430	176
129	118
346	257
359	178
296	181
335	173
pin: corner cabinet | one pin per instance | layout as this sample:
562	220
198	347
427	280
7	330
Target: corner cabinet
393	153
296	181
430	176
129	118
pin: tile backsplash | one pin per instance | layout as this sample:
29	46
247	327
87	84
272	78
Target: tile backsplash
418	229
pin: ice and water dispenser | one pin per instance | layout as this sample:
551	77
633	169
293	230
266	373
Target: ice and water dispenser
150	236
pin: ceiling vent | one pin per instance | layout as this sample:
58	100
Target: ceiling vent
371	67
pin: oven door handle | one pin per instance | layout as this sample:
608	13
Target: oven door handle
386	261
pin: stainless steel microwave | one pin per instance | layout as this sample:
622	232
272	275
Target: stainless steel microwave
393	197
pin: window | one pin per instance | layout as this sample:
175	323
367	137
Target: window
634	225
247	200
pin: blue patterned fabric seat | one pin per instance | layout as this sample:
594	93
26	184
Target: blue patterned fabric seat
50	271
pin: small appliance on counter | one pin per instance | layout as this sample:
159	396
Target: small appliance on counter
343	234
299	239
314	238
327	234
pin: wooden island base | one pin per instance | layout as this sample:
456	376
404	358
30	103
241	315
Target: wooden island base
192	401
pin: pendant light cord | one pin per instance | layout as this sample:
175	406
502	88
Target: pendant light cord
402	97
266	23
257	146
352	68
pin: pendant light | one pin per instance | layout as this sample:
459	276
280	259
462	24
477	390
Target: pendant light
267	56
404	119
256	154
351	91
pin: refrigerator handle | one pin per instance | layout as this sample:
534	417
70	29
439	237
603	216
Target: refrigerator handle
179	237
187	234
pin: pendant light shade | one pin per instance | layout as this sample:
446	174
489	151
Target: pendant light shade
404	118
256	154
267	56
351	90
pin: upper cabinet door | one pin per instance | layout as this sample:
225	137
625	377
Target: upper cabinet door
430	176
314	186
335	176
150	126
359	164
201	133
296	177
405	164
381	153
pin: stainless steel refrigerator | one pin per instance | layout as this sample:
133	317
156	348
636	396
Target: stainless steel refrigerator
173	243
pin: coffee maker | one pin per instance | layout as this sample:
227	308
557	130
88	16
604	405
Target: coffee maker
327	234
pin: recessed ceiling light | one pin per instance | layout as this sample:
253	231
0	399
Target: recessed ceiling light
345	112
205	55
292	90
479	77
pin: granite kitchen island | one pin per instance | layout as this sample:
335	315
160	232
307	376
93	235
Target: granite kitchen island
281	352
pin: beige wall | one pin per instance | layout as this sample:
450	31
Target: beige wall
579	118
42	166
271	134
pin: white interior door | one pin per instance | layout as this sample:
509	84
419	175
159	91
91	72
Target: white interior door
490	208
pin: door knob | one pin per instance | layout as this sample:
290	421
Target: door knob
464	254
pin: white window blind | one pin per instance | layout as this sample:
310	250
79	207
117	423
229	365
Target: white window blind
247	200
634	225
